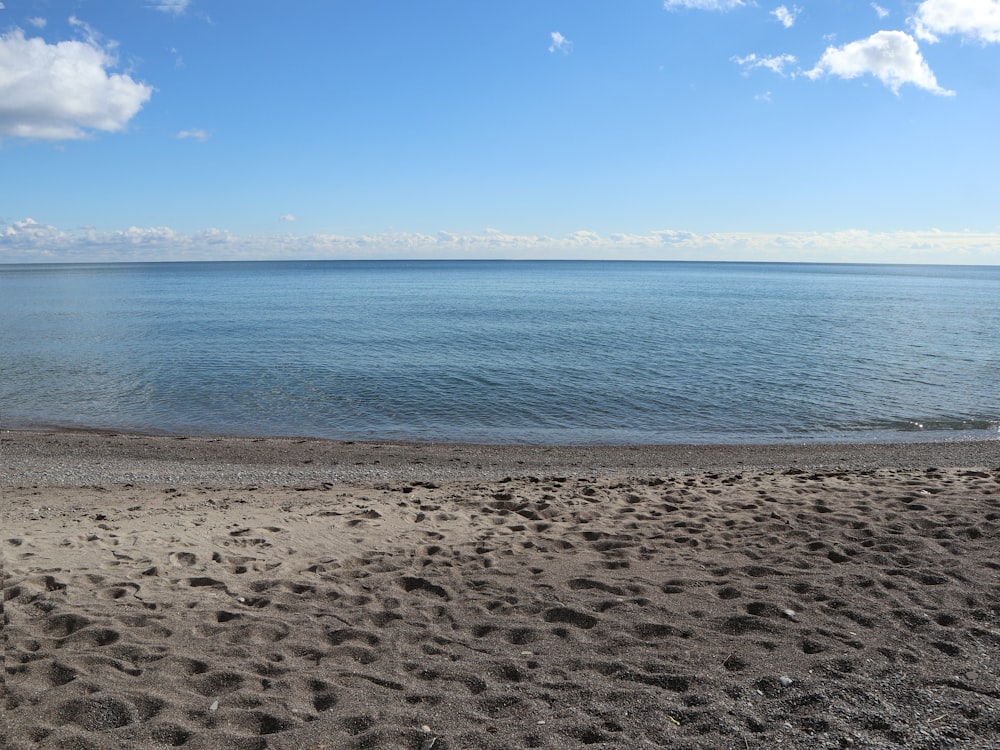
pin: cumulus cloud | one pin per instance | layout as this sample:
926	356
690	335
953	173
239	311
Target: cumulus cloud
891	56
29	231
64	90
776	63
560	43
703	4
978	20
785	16
196	134
30	241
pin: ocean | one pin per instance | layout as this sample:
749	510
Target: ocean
552	352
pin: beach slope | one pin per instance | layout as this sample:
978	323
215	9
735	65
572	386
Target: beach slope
243	594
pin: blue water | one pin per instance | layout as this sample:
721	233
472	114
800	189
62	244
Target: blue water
505	352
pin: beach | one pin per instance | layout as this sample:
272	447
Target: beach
246	593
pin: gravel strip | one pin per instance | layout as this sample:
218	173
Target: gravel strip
68	458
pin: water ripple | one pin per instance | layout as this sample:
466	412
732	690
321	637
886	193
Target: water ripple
505	352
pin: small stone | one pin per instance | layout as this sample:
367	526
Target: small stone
214	706
791	614
785	681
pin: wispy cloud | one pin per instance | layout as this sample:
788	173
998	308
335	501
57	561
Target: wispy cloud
91	35
288	218
703	4
775	63
891	56
196	134
173	7
880	11
785	16
64	90
560	43
28	240
38	22
978	20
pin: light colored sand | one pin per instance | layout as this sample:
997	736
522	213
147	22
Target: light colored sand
283	594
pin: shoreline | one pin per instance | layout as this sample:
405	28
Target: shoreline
77	457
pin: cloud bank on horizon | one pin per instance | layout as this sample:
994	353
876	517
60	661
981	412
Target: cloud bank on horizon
467	132
27	241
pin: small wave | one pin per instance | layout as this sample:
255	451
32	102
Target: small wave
937	425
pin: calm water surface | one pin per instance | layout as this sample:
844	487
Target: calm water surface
551	352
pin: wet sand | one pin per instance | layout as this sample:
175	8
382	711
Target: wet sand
279	593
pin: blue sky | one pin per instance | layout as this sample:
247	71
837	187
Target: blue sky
677	129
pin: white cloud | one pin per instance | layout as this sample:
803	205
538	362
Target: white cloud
30	241
765	97
560	44
288	217
775	64
880	11
173	7
29	231
891	56
63	90
38	22
974	19
785	16
93	38
703	4
197	134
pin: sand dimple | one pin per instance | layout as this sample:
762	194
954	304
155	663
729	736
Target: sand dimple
731	609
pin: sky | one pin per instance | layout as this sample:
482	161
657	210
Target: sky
639	129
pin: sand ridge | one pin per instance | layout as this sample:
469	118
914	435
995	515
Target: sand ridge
755	608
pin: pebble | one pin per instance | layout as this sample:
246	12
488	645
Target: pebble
785	681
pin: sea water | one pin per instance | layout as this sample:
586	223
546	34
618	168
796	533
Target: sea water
505	352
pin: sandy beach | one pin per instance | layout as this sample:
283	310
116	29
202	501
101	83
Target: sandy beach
239	594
